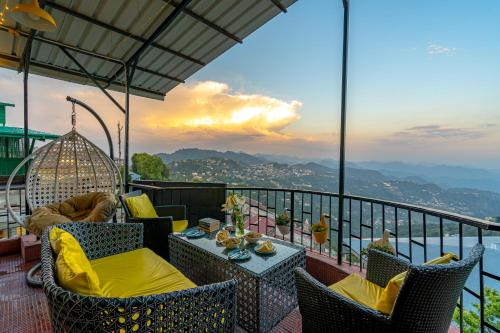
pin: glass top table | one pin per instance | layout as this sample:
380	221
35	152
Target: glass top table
266	283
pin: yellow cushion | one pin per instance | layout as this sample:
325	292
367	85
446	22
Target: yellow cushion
141	206
358	289
445	259
138	273
73	269
388	297
180	225
54	238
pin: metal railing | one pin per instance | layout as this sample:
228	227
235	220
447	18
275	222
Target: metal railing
418	234
8	227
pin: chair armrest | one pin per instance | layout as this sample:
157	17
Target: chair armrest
156	231
382	267
178	212
101	239
323	310
209	308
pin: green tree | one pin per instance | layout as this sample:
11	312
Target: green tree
472	320
149	167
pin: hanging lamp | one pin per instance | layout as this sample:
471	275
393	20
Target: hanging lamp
34	17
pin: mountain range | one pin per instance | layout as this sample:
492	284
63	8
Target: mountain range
393	181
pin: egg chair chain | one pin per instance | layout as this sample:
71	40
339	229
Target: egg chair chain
73	116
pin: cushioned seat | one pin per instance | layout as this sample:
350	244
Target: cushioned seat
90	207
377	297
138	273
162	299
141	207
359	289
180	225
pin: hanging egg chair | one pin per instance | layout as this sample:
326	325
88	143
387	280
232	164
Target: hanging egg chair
67	167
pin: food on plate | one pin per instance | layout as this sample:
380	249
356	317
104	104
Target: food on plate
252	236
266	246
222	235
231	242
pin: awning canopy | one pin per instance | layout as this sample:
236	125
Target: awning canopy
18	133
174	38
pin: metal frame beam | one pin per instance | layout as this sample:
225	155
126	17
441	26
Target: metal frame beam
206	22
278	4
132	61
345	40
89	53
127	126
26	57
76	73
98	85
120	31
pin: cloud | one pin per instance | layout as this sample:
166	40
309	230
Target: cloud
418	134
212	107
435	49
203	114
209	114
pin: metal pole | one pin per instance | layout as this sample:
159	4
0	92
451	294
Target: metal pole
292	216
26	68
127	115
342	133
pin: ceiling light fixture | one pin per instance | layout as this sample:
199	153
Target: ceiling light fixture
34	17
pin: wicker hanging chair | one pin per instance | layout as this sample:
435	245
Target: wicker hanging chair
66	167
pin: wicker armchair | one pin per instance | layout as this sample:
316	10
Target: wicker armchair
156	230
210	308
425	302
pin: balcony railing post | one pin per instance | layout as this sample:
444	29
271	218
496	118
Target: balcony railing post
292	216
343	129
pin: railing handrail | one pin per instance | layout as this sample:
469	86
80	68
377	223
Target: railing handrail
469	220
177	188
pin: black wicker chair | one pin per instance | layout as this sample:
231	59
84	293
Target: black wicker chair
156	230
210	308
425	302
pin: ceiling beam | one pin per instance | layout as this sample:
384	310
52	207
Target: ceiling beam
109	27
34	63
208	23
158	31
278	4
89	53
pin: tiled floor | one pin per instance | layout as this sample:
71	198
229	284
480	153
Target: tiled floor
24	309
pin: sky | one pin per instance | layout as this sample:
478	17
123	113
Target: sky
423	86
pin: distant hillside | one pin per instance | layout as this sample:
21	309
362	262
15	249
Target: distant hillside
446	176
200	154
443	175
314	176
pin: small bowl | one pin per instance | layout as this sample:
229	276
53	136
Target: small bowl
231	243
252	237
